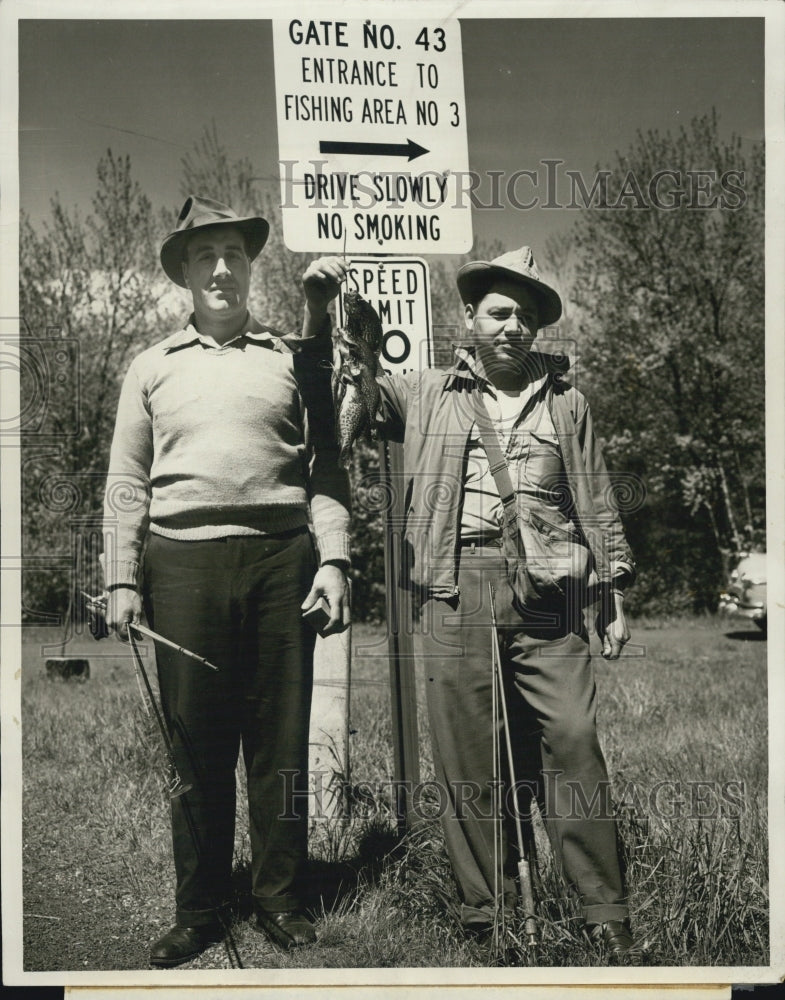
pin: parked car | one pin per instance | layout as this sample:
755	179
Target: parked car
745	594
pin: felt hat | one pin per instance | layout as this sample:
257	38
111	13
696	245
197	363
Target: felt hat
474	280
199	213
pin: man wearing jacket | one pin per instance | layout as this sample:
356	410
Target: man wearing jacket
223	451
452	550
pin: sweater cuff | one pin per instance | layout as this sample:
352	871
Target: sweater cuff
121	573
336	545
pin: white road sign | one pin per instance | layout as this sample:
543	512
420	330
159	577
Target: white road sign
399	290
372	135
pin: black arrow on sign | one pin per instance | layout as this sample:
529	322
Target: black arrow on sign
408	149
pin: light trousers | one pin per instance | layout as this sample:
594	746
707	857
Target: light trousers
552	701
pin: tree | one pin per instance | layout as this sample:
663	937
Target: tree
90	296
669	282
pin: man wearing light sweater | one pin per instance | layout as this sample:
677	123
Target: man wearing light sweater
223	452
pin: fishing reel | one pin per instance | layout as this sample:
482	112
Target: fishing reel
96	615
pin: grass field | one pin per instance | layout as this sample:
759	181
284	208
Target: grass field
683	724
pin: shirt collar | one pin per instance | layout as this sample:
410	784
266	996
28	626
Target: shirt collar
253	330
464	374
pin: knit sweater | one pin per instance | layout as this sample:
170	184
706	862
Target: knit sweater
212	441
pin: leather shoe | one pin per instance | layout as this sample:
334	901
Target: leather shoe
482	929
615	936
182	944
287	928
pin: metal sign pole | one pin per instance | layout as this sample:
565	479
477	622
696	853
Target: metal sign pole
403	688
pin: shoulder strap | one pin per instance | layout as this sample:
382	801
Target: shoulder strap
498	466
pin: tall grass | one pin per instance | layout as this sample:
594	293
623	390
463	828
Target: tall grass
98	882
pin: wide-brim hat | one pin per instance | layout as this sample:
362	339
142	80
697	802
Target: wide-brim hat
200	213
474	280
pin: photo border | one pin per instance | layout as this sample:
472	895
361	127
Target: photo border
10	545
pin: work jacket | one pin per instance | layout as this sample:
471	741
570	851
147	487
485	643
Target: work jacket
431	413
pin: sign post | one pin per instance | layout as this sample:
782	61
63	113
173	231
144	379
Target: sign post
328	738
400	647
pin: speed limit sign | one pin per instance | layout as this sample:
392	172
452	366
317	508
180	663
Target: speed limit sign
399	290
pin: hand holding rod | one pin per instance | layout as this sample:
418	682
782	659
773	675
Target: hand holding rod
96	608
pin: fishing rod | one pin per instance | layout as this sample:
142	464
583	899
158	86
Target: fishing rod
498	837
175	784
524	864
96	607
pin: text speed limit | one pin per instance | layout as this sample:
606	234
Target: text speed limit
399	290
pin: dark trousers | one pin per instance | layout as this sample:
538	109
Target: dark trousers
235	601
551	701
